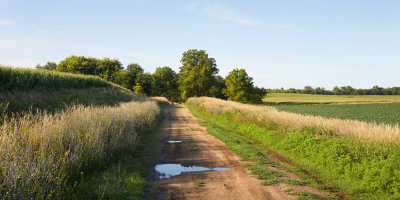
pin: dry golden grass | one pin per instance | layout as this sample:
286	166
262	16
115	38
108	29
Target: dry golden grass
287	122
41	153
161	100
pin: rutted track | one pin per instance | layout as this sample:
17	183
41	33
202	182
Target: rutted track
202	149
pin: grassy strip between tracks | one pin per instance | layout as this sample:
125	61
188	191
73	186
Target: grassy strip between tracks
250	150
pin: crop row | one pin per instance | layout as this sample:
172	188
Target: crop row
27	79
386	113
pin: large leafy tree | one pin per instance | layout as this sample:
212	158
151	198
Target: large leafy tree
197	74
239	87
165	83
128	78
105	68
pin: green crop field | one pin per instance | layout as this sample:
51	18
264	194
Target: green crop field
386	113
293	98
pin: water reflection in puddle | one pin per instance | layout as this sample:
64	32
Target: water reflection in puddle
174	141
170	170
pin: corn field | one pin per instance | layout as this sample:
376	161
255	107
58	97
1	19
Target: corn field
28	79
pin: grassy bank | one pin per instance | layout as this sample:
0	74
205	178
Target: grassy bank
24	90
43	155
12	79
294	98
261	164
126	178
363	166
385	113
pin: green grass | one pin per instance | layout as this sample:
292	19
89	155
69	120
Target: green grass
248	149
126	178
386	113
12	79
349	166
294	98
199	183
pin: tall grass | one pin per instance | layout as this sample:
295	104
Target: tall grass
42	155
289	122
27	79
359	158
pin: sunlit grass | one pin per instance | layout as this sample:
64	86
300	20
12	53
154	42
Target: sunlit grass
293	98
42	155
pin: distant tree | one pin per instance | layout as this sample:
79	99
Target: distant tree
128	78
239	87
79	65
197	74
217	89
49	66
144	80
165	83
105	68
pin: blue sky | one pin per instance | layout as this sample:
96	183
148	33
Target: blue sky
279	43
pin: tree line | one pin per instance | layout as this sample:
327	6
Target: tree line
344	90
197	76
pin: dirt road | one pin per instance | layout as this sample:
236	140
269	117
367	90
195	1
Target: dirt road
198	148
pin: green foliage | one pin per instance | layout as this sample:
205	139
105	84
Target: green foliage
197	74
128	78
387	113
165	83
105	68
361	168
12	79
49	66
239	87
344	90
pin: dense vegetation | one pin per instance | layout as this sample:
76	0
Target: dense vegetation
344	90
387	113
358	158
12	79
43	155
198	76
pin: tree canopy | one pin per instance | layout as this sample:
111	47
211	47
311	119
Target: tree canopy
239	87
91	66
197	75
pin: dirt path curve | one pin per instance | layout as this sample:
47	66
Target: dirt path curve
202	149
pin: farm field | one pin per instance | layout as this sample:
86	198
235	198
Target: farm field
386	113
358	158
294	98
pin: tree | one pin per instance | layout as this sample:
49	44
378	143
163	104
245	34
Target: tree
128	78
105	68
49	66
165	83
144	80
239	87
197	74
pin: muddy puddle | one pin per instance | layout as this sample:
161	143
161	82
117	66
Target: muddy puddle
171	170
174	141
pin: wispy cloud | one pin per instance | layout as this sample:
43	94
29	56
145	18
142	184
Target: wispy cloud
4	22
222	12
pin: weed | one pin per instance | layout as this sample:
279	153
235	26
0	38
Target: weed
199	183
